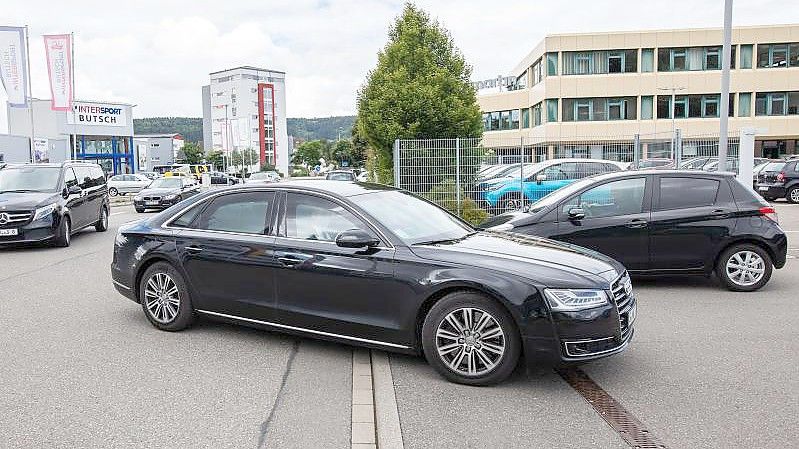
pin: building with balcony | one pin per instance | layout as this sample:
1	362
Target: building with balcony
616	85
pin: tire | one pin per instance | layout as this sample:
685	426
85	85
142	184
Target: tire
753	259
793	195
64	233
102	222
471	350
169	311
140	210
113	191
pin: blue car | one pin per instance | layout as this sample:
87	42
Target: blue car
540	179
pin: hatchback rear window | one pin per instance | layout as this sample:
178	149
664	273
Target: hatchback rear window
774	166
680	193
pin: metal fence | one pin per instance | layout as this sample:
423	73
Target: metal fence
475	178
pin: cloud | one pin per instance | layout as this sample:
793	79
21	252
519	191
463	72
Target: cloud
157	54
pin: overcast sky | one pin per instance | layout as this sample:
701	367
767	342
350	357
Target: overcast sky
157	54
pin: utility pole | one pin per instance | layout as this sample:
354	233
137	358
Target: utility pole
725	85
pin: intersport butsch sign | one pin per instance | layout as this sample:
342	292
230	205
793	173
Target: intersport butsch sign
97	114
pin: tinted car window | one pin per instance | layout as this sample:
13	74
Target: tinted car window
69	178
117	178
313	218
622	197
678	193
85	179
97	174
237	212
187	218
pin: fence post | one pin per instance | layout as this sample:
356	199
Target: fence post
521	174
677	147
636	150
396	163
458	175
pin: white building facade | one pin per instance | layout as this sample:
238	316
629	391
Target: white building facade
245	107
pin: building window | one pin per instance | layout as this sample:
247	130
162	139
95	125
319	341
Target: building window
552	110
538	74
582	110
777	103
646	107
599	109
712	58
691	58
514	119
600	61
744	102
552	64
692	106
521	81
710	106
648	60
746	56
495	121
537	115
526	118
778	55
504	120
486	121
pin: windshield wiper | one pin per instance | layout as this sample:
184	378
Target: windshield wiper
452	240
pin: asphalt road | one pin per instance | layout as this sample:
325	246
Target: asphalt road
707	368
81	367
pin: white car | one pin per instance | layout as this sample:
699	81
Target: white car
122	184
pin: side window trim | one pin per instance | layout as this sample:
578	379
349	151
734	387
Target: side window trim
647	205
205	202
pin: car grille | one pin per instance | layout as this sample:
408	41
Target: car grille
12	219
151	198
622	290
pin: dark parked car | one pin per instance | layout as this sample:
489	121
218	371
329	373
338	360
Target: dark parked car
340	175
50	202
375	266
779	180
664	222
220	178
165	192
653	163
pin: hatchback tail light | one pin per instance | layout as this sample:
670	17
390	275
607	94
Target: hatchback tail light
770	213
781	177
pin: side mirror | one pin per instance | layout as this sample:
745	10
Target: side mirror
73	190
576	213
539	178
356	238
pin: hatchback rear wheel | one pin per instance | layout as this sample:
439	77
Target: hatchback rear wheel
744	267
793	195
470	339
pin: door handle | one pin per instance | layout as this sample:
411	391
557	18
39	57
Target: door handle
637	223
193	249
721	213
289	260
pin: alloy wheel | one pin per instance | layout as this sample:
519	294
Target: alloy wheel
113	191
794	195
745	268
162	298
470	341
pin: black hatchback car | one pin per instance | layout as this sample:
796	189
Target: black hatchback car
372	265
779	179
50	202
664	222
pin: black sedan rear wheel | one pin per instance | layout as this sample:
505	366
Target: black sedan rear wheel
470	339
164	297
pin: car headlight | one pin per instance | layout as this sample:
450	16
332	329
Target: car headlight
171	197
137	198
44	211
570	300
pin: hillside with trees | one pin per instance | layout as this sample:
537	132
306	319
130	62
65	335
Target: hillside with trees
191	128
321	128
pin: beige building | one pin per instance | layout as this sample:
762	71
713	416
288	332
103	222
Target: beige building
605	86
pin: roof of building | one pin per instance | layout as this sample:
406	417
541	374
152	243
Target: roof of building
247	67
164	135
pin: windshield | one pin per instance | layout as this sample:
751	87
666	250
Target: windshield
412	219
165	183
29	179
559	194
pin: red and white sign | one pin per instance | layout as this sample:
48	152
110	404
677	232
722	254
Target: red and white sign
13	65
59	68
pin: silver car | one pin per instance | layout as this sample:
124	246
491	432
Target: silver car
123	184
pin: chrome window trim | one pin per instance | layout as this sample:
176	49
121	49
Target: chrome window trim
302	329
213	231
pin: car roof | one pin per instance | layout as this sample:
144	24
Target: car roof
681	173
335	188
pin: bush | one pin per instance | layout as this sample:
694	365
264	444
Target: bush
445	195
298	170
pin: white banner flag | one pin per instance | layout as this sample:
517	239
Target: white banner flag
14	65
59	69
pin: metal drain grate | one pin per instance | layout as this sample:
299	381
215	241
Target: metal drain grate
623	422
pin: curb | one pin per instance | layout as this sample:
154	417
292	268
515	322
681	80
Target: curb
389	432
363	409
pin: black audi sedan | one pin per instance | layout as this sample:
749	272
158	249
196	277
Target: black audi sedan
165	192
664	223
371	265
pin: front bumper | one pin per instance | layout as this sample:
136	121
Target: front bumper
157	204
41	230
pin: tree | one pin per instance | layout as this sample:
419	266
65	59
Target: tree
247	156
308	153
419	90
192	153
214	157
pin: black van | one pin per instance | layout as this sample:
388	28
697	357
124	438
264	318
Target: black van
49	202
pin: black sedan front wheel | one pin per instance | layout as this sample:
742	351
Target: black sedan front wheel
470	339
165	299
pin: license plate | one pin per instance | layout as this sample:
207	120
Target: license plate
763	188
151	203
8	232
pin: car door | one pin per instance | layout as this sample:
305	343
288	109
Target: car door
82	211
325	287
228	255
73	200
614	221
691	216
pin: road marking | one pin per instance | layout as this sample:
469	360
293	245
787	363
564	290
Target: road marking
389	432
363	403
629	428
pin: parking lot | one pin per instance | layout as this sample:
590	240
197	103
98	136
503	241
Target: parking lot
82	367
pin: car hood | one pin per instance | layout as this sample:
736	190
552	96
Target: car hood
544	261
158	192
26	200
